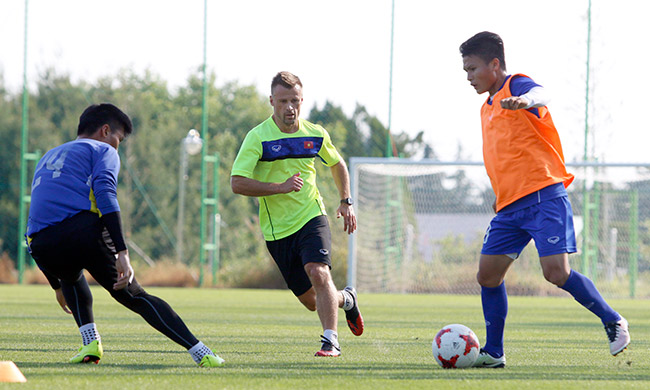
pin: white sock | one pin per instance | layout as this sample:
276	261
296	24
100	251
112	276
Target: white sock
332	336
348	301
89	333
199	351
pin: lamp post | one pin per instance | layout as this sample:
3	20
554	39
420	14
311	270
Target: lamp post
190	145
22	218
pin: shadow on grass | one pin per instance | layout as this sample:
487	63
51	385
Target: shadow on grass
342	370
330	368
106	350
109	368
44	350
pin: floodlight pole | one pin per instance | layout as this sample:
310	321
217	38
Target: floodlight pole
586	198
586	155
182	173
204	150
389	149
23	164
190	145
206	159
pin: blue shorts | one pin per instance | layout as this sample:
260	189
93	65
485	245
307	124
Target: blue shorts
549	223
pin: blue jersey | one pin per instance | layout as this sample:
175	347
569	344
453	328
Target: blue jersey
76	176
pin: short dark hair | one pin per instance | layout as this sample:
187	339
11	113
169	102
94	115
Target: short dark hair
487	46
97	115
285	79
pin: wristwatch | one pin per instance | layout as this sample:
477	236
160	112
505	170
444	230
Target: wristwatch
347	201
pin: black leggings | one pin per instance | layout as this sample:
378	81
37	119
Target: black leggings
79	243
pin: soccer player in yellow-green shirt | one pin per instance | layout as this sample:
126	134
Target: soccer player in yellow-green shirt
276	163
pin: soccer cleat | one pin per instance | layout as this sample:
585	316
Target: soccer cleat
89	353
619	336
488	361
212	361
353	316
328	349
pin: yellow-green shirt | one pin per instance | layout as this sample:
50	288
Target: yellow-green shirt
271	156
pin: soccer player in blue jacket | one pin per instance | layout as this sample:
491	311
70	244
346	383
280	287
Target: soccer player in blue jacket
74	224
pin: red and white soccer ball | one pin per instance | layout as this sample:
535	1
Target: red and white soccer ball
455	346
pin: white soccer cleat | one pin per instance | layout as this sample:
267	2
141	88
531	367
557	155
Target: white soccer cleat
328	348
619	336
486	360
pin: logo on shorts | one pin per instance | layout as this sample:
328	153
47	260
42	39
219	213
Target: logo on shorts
553	240
487	234
324	252
276	148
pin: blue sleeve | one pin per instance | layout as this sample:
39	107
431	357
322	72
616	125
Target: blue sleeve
521	85
106	167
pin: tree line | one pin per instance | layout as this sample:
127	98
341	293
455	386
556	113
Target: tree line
161	117
148	183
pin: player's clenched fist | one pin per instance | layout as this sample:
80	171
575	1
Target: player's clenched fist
294	183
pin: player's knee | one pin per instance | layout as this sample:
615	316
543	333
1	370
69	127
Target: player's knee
488	280
126	296
318	273
121	295
556	276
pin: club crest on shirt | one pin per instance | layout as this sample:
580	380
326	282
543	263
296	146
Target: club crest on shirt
309	144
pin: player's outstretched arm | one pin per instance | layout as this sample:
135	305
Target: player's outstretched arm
536	97
514	103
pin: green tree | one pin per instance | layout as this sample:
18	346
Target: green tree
363	135
10	125
148	186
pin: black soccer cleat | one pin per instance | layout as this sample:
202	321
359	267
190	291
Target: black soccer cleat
353	316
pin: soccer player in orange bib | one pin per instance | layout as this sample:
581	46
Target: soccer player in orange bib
524	160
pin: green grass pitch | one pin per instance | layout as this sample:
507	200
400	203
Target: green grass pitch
268	340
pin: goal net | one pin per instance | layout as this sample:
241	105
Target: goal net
421	226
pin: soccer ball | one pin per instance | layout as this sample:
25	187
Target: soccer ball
455	346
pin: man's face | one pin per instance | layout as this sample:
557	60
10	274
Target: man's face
483	76
111	136
286	104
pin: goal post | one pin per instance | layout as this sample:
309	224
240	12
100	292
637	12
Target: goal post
421	225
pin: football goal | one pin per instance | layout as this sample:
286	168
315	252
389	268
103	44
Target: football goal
421	226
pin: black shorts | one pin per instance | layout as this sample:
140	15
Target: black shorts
79	242
311	244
